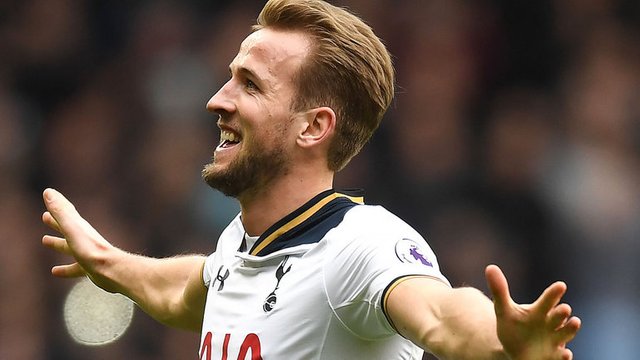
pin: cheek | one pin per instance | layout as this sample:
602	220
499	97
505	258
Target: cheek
271	128
283	135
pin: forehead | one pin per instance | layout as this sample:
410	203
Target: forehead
272	54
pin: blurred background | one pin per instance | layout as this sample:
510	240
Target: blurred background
514	138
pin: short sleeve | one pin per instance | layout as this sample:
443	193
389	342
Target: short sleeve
207	270
364	265
228	244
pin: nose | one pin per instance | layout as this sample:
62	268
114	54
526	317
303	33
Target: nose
222	102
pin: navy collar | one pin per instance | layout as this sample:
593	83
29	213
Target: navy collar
309	223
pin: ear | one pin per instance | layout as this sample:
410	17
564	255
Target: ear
318	127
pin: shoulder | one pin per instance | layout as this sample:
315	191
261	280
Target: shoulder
226	247
367	231
377	222
231	236
373	235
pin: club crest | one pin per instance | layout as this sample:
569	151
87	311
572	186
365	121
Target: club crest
270	301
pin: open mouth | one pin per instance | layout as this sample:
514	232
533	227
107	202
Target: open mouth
228	139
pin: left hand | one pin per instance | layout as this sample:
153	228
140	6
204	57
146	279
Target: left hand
537	331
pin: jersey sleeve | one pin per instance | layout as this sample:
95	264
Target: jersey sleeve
207	270
227	244
367	264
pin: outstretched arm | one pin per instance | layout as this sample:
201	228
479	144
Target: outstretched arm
462	323
170	290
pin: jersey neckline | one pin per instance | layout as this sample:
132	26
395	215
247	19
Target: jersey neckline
309	223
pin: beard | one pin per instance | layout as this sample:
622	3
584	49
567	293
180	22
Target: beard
251	172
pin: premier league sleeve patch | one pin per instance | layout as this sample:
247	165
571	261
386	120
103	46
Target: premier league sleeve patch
410	251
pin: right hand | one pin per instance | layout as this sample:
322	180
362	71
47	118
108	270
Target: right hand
79	240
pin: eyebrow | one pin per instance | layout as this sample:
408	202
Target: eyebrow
246	72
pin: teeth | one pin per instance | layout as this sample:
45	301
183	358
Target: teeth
228	136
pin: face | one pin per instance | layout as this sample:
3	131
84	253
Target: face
255	114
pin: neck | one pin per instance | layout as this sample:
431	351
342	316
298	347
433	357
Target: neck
262	209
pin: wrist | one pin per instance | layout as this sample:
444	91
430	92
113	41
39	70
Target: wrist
106	267
500	354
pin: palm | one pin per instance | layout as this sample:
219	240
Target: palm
537	331
79	239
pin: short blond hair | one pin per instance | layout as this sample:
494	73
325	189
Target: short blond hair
348	69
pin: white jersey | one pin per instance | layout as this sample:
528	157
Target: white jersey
313	286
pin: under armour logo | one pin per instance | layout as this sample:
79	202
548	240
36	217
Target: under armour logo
271	299
221	278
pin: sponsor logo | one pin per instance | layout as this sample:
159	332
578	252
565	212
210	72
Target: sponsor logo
221	277
410	251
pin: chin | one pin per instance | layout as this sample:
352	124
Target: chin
210	170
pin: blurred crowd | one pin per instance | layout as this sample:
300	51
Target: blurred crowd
514	139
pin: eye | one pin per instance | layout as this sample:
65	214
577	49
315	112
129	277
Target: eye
251	85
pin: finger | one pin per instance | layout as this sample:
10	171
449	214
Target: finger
558	316
550	297
567	354
499	288
56	243
48	220
62	211
569	331
68	271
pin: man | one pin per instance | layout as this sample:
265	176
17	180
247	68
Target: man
305	272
